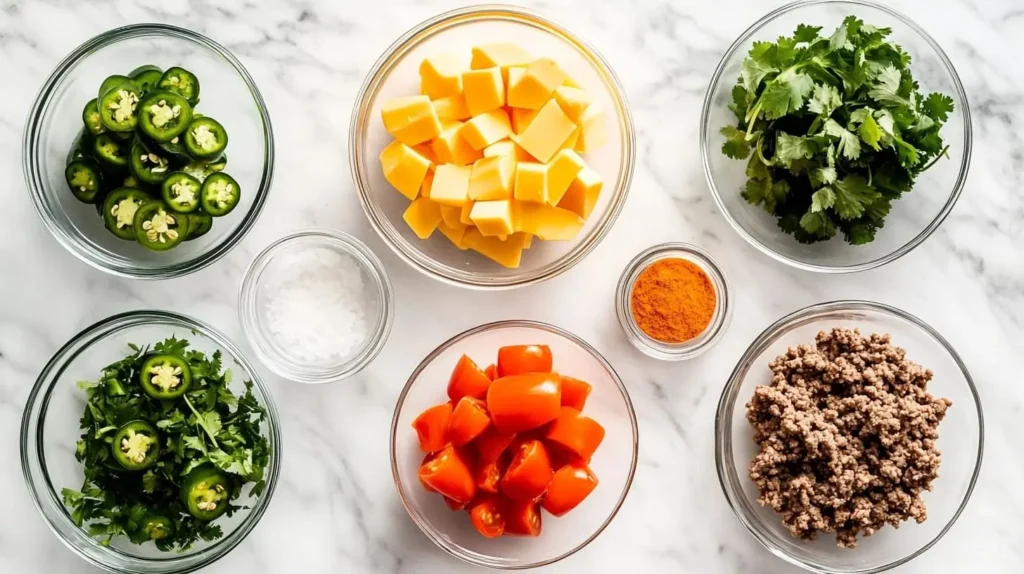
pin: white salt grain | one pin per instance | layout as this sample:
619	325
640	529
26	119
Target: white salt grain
316	310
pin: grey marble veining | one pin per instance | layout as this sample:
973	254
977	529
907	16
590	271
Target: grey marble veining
335	509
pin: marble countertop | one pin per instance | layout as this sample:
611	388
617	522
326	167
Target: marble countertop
335	509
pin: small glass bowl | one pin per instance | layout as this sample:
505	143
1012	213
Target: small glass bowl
914	217
396	74
266	269
228	94
673	351
961	439
49	429
614	463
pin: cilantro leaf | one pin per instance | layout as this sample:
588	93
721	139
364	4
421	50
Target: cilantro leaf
823	199
818	224
848	144
739	102
735	145
824	101
785	94
805	33
791	148
853	196
937	106
887	86
753	72
870	132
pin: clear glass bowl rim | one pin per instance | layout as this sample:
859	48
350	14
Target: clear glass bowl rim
379	73
729	479
34	179
961	180
367	260
32	421
424	525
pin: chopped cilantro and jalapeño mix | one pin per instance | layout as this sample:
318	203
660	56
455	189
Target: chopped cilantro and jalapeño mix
143	143
835	129
167	448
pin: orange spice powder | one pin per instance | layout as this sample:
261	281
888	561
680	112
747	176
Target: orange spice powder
673	300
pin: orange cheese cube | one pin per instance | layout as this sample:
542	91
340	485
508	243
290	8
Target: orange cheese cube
454	234
521	117
451	147
492	217
441	75
484	90
593	129
570	82
531	182
412	119
570	142
507	147
492	178
573	102
546	222
451	108
514	73
467	208
423	217
536	85
524	239
485	129
404	168
426	149
451	184
562	170
499	55
428	182
506	253
583	193
547	132
452	216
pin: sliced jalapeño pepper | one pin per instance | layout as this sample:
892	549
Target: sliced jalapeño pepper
165	376
148	167
119	107
199	224
181	192
218	164
91	119
146	77
136	445
205	138
156	527
175	148
110	83
220	194
119	209
164	115
206	492
81	147
181	82
110	152
84	178
157	228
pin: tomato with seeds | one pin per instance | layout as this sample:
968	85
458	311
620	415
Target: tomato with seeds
575	392
447	472
529	473
577	432
492	443
523	359
467	380
523	402
468	421
488	477
488	517
432	427
491	371
569	486
522	518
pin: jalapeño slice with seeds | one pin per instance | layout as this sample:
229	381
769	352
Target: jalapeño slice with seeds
218	164
91	119
181	82
157	228
220	194
147	76
199	224
181	192
109	83
205	138
110	152
156	527
119	107
164	115
136	445
148	167
206	492
119	209
165	376
84	178
175	148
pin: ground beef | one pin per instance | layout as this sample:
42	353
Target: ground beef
847	432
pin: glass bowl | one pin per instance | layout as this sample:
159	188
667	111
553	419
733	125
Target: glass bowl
271	267
961	439
228	94
673	351
49	429
614	462
396	74
914	216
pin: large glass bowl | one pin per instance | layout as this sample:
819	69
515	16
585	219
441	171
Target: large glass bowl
614	462
396	74
961	439
49	429
228	94
914	217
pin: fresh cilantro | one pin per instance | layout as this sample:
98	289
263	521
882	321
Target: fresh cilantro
736	145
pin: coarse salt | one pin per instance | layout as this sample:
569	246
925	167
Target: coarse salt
316	310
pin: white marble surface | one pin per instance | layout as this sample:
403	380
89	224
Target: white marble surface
335	509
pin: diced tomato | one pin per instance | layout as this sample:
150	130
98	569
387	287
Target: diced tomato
522	518
492	443
580	434
454	504
529	473
574	392
523	402
570	485
447	473
488	477
560	455
468	421
432	427
488	517
467	380
523	359
491	371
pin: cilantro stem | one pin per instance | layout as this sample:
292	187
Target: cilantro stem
199	420
942	154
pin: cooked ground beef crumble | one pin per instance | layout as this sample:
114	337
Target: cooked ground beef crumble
847	432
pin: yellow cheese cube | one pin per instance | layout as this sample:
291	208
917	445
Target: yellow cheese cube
428	182
535	87
492	217
583	193
452	216
485	129
546	222
426	149
547	132
492	178
451	147
467	208
441	75
531	183
451	108
524	239
484	90
454	234
569	81
423	217
506	253
573	102
412	120
570	142
562	170
507	147
404	168
451	184
593	129
521	117
514	73
500	55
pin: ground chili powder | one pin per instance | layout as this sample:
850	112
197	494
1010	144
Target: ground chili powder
673	300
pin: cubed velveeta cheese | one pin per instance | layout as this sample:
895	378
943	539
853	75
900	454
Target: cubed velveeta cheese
423	217
451	108
562	170
573	102
492	217
546	222
451	184
441	75
536	85
451	147
499	55
570	142
547	132
593	129
412	119
506	253
513	75
404	168
484	90
507	147
492	178
571	82
426	149
531	182
583	193
485	129
521	117
428	182
464	215
452	216
454	234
